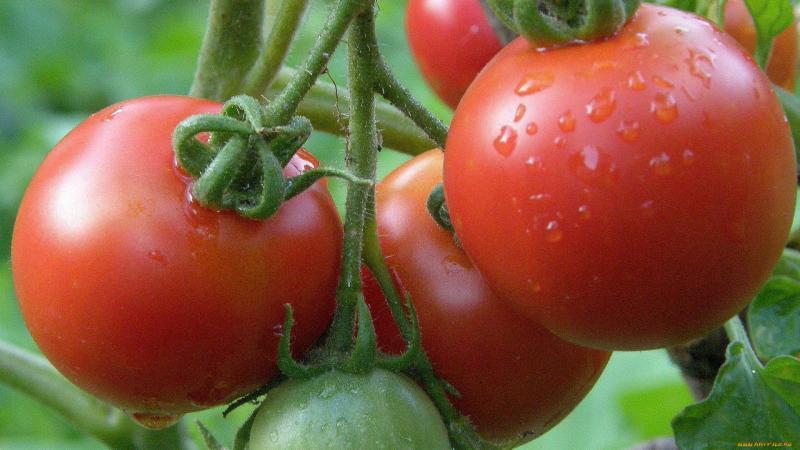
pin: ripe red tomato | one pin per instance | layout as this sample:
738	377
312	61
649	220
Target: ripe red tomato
782	66
451	40
517	380
148	300
630	193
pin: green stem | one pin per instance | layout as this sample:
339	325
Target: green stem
230	47
391	89
275	47
736	332
285	105
327	106
361	159
34	376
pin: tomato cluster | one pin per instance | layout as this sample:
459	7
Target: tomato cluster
628	193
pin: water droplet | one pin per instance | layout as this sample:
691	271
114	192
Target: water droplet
155	421
506	141
273	436
661	164
681	30
601	106
113	114
647	208
560	141
641	40
534	82
567	122
156	255
531	129
341	422
519	113
583	212
636	81
688	157
539	198
662	82
534	164
700	66
553	232
664	107
628	131
591	164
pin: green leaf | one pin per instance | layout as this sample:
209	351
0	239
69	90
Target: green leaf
788	265
771	17
791	107
774	318
749	403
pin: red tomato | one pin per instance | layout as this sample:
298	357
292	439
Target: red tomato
148	300
630	193
517	379
451	40
782	66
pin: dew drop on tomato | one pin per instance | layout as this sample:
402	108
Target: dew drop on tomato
533	83
506	141
567	122
664	107
601	106
519	113
636	81
154	421
628	131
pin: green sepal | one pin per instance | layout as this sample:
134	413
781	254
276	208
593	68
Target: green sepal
362	358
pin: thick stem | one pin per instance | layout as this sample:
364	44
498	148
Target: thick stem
275	47
328	106
285	105
230	46
34	376
361	158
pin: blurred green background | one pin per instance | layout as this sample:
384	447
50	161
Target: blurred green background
61	60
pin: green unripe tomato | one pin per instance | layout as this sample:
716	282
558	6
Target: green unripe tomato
378	410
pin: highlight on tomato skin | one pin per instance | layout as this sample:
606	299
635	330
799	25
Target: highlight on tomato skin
516	379
148	300
632	193
451	41
782	65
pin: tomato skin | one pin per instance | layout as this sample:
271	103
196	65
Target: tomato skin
517	379
378	410
618	202
451	41
782	66
150	301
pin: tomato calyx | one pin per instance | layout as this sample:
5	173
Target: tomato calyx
555	23
362	356
240	168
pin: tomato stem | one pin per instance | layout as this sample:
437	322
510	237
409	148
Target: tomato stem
32	375
276	46
230	47
361	156
283	107
327	105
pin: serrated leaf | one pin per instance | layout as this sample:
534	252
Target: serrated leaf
749	403
774	318
771	17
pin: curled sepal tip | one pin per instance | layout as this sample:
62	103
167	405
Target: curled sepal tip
410	356
437	208
362	358
286	362
554	23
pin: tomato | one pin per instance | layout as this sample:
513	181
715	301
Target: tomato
451	41
782	66
517	380
148	300
378	410
630	193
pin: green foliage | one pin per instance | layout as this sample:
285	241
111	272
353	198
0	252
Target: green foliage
774	319
749	403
